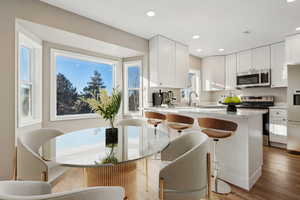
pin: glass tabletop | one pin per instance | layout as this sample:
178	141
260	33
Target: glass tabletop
97	146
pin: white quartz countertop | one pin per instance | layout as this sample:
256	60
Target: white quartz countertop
241	113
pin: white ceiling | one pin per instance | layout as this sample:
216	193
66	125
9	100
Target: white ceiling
220	23
77	41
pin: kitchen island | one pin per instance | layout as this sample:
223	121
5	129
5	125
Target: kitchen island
241	155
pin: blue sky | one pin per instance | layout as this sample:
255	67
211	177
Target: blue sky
24	62
80	71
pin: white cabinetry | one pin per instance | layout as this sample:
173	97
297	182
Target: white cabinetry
278	125
292	45
244	61
213	73
182	65
278	65
168	63
230	71
261	58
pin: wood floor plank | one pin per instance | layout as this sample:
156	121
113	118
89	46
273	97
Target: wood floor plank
280	180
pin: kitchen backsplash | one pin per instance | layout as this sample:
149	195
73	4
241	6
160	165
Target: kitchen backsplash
280	94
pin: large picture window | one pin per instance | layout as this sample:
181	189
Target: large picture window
133	87
29	80
76	77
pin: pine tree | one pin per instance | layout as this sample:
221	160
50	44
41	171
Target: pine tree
66	95
94	85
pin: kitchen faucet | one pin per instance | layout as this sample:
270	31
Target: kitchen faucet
190	97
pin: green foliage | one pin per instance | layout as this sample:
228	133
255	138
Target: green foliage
66	95
105	105
69	100
94	85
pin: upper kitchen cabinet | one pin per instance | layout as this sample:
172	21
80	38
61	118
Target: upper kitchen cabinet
182	65
168	63
230	71
261	58
292	46
162	62
278	65
244	61
213	73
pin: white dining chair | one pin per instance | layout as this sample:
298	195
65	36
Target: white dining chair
30	165
132	122
186	168
34	190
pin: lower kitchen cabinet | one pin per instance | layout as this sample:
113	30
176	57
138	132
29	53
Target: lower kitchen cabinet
278	125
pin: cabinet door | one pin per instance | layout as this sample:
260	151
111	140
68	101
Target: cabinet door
182	65
230	70
293	49
213	73
166	62
278	65
261	58
153	62
244	61
278	126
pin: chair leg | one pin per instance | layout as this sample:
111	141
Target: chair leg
15	176
161	189
44	176
208	176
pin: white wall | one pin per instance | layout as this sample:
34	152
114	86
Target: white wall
41	13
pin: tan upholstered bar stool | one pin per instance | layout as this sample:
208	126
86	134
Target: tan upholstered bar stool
155	119
179	122
218	129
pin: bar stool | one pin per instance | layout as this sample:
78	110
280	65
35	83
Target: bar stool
179	122
218	129
155	119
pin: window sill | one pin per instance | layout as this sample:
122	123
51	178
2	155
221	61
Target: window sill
29	123
75	117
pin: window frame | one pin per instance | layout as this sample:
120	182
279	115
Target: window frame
53	93
126	65
25	40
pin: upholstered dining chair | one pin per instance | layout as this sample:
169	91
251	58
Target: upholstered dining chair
179	122
30	165
132	122
186	171
34	190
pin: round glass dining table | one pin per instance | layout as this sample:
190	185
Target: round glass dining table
107	162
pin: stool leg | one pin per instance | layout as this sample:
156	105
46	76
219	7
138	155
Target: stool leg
220	186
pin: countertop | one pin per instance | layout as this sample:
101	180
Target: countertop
279	106
221	112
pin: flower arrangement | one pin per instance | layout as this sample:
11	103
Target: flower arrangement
105	105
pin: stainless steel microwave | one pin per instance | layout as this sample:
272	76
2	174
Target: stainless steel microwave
254	78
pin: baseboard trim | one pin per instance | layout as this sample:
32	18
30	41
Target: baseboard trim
254	177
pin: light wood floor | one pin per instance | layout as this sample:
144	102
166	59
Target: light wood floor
280	180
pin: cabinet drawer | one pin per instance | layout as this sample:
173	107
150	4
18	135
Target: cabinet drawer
278	113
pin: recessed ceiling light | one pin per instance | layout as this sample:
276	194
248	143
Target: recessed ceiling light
221	49
290	1
151	13
298	29
199	50
247	32
196	37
